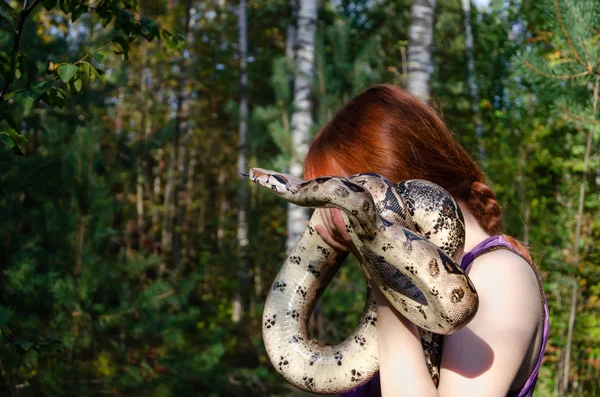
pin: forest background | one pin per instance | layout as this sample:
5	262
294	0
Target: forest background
134	259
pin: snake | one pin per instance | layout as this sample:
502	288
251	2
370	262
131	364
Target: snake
409	237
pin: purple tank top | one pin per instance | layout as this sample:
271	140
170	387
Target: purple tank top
373	387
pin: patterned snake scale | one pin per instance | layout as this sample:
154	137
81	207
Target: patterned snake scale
409	236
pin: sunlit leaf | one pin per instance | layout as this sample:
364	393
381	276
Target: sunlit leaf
98	55
66	72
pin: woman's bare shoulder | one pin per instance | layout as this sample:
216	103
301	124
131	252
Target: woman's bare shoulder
507	285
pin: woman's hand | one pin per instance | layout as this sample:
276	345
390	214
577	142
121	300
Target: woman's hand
334	232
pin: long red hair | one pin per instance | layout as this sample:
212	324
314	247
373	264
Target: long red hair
388	131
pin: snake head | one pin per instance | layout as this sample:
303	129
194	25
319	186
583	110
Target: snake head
282	184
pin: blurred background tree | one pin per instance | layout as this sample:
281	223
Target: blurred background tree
135	261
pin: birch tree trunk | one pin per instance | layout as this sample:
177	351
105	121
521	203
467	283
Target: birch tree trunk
166	235
145	127
466	5
191	243
302	117
223	205
181	123
420	38
240	302
156	190
290	35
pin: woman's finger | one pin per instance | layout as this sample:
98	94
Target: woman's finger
332	225
322	231
340	225
324	217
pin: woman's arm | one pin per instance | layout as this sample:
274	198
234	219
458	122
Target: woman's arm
402	368
483	358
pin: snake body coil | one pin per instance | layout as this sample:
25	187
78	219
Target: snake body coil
410	238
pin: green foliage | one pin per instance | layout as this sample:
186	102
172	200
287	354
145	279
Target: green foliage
561	65
343	69
107	109
17	68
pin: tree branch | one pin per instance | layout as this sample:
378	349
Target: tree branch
555	76
15	46
566	33
575	117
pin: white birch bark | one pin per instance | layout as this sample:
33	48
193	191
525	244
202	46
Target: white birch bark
223	209
183	125
157	191
290	36
302	117
240	299
420	38
179	153
166	236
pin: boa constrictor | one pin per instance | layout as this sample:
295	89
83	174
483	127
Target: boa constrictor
409	236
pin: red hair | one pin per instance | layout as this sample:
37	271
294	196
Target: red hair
388	131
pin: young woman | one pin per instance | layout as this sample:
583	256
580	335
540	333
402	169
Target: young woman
499	353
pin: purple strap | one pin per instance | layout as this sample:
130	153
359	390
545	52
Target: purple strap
489	244
373	387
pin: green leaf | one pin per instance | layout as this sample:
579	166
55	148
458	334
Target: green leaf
26	100
67	71
98	56
5	64
105	20
122	41
49	4
129	4
97	74
40	87
11	138
126	22
150	28
84	69
75	85
5	137
78	12
173	41
55	97
67	6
